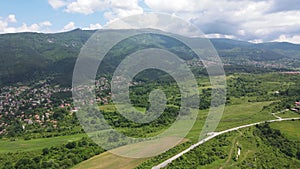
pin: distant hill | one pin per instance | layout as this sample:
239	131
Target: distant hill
27	55
257	52
23	54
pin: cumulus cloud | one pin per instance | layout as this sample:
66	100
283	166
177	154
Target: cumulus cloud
119	9
286	5
46	23
220	36
250	20
11	18
93	27
57	3
86	6
69	26
288	38
111	8
5	25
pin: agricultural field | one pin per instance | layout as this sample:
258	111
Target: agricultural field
109	160
244	113
21	145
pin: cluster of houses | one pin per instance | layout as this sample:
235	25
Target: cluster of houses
297	107
33	104
25	103
103	91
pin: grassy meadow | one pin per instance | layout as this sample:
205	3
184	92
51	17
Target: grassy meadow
36	144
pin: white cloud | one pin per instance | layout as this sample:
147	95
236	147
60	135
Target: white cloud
120	13
57	3
288	38
11	18
86	6
111	8
69	26
123	8
46	23
256	41
24	28
93	27
250	20
220	36
272	25
31	28
174	5
5	26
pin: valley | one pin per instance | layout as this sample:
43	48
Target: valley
39	127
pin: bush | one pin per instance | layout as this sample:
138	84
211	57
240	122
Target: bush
45	151
71	145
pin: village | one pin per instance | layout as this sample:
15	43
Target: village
35	104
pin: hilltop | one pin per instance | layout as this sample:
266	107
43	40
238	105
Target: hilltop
26	56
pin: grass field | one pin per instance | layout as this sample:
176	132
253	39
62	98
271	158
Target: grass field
239	113
109	160
36	144
243	113
112	108
288	114
289	128
108	108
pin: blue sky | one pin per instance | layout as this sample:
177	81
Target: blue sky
37	11
249	20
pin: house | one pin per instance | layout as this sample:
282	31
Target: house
75	109
295	109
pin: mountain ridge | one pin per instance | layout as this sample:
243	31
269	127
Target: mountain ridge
24	54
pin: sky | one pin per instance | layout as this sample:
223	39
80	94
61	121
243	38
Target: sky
248	20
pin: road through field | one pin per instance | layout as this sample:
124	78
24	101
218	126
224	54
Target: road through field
214	134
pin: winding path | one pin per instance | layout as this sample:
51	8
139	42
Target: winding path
214	134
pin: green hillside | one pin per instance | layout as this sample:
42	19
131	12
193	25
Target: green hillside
26	56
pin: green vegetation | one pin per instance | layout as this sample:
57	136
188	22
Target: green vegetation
26	56
31	56
288	114
244	113
20	145
59	156
252	98
134	129
44	131
289	129
63	123
259	147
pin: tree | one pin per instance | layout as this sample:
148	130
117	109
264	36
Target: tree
71	145
298	154
26	163
45	151
60	114
8	165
